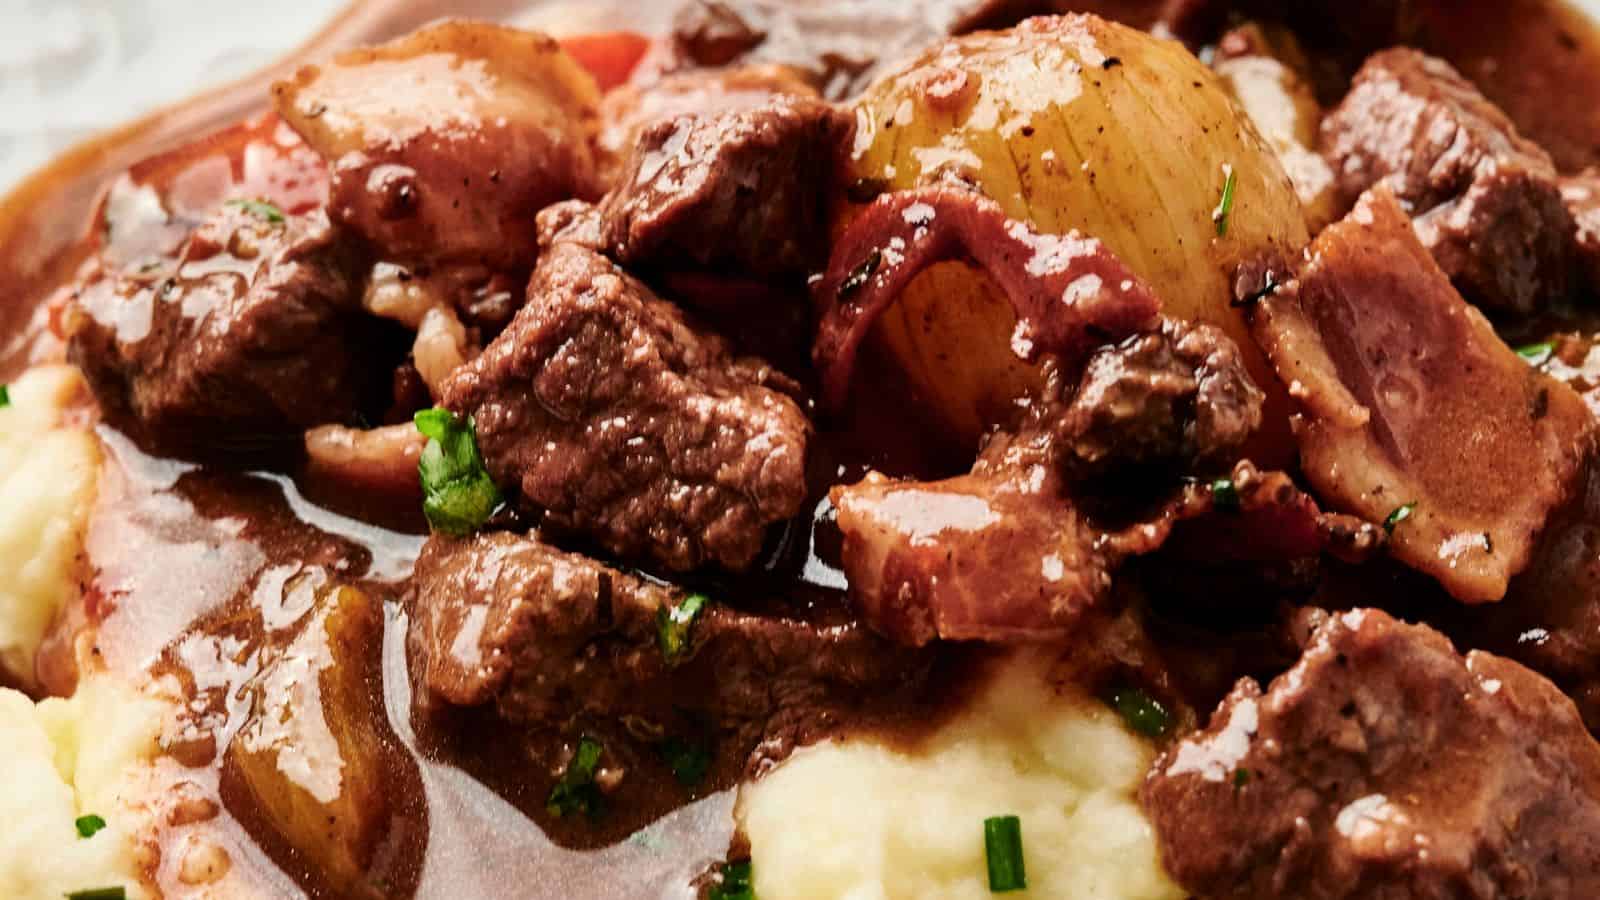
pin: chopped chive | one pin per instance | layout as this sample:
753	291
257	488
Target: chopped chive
1224	494
675	627
688	762
736	882
5	395
261	209
105	893
857	279
576	791
458	494
89	825
1002	848
1225	205
1400	514
1537	354
1143	713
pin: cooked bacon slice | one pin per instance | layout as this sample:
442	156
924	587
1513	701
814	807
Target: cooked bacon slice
1007	552
1070	293
1411	401
446	143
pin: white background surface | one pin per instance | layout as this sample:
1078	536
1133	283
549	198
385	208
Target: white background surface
70	68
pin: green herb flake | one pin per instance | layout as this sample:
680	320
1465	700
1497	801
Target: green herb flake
1241	777
5	395
576	791
105	893
1224	208
736	882
458	495
1143	713
1400	514
1002	850
261	209
88	826
675	627
1224	495
689	762
1537	354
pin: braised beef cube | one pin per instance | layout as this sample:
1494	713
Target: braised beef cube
837	44
628	110
1582	195
1175	396
252	332
1384	765
550	637
744	191
1486	201
603	406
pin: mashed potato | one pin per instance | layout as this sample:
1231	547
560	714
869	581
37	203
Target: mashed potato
859	820
47	481
65	759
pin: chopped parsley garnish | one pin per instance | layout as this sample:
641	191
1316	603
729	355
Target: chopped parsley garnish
261	209
1002	849
1224	495
675	626
1143	713
457	493
105	893
857	279
1537	354
688	762
1241	777
736	883
1400	514
1225	205
576	791
5	395
89	825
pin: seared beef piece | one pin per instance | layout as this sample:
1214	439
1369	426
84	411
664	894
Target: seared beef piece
1410	400
1384	765
551	638
629	109
744	192
837	44
603	406
252	332
1486	201
1179	395
1581	193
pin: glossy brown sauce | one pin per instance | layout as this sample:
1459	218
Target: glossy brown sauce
228	561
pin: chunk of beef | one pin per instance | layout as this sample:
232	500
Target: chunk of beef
1581	193
602	405
1384	765
743	191
1410	401
837	44
1179	395
628	110
550	638
252	332
446	143
1486	201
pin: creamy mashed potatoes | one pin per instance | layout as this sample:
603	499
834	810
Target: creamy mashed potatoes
859	820
65	759
47	481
